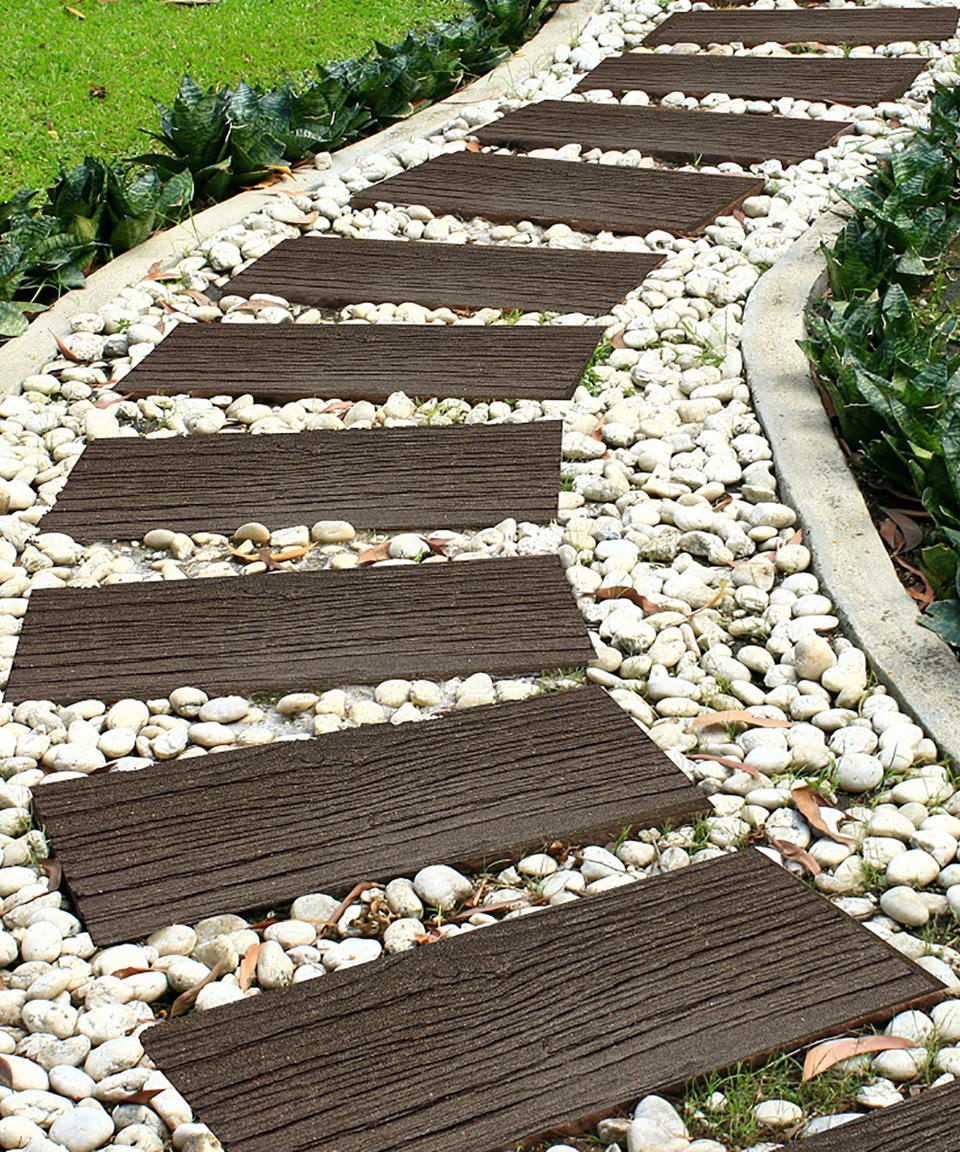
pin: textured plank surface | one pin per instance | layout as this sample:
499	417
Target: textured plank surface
475	1043
592	197
333	273
262	826
844	81
671	133
281	631
460	476
810	26
929	1122
367	361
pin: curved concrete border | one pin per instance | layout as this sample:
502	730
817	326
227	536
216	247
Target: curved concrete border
849	557
28	353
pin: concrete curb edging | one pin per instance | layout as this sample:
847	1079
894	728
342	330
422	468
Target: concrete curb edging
918	668
28	353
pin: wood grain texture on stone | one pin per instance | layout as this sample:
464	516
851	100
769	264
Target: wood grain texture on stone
929	1122
451	477
259	827
807	26
286	631
478	1042
669	133
591	197
828	78
280	362
333	273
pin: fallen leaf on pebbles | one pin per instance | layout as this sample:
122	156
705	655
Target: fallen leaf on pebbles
248	965
186	1000
807	800
797	855
824	1056
738	716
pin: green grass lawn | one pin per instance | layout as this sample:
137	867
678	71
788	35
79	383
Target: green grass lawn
76	86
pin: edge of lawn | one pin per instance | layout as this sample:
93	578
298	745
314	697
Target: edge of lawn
27	353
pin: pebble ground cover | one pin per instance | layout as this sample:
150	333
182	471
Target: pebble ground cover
80	84
667	487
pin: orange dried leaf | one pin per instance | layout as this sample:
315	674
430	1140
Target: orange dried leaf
292	553
739	716
248	965
123	973
807	801
65	350
473	146
824	1056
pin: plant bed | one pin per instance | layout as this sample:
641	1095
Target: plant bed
882	350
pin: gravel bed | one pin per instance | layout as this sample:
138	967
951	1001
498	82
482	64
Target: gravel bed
667	488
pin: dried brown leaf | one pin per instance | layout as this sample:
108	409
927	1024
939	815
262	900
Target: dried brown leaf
344	904
808	801
123	973
729	762
144	1096
6	1073
186	1000
379	551
797	854
54	871
625	592
739	716
824	1056
909	529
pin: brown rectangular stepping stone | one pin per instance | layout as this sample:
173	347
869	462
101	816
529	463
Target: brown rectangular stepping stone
807	26
670	133
829	78
460	476
280	362
333	273
262	826
929	1122
591	197
297	630
479	1042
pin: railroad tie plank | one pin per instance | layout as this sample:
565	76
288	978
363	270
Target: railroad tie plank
929	1122
262	826
282	631
827	78
670	133
386	478
590	197
806	26
281	362
503	1034
332	273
